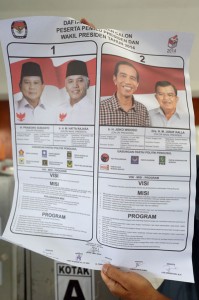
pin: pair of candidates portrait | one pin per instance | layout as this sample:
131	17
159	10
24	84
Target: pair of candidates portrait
122	109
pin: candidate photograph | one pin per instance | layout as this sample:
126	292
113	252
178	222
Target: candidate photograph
35	95
135	94
79	107
122	108
167	114
54	90
31	108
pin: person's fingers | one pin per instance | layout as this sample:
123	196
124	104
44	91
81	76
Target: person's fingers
115	274
86	22
129	285
114	287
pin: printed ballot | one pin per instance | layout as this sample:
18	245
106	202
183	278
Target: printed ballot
103	145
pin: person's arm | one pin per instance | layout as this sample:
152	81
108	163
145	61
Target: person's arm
129	285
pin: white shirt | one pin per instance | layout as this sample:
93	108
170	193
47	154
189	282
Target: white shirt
177	120
26	113
80	113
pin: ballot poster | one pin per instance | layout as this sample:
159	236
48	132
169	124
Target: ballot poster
103	145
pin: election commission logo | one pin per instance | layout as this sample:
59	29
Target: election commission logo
19	29
173	41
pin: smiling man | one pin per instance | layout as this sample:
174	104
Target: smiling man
80	109
167	114
122	109
31	108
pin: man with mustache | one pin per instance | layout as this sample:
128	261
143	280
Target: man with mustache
122	109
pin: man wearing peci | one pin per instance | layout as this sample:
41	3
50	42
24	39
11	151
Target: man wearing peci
79	109
122	109
168	113
32	108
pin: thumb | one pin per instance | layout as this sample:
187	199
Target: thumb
115	274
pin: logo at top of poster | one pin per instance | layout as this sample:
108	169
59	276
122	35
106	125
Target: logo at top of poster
19	29
173	42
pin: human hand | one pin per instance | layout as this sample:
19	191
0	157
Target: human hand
129	285
84	21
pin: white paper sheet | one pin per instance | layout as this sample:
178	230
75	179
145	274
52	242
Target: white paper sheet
85	193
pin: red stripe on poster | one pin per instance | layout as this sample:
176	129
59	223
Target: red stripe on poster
149	75
51	75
